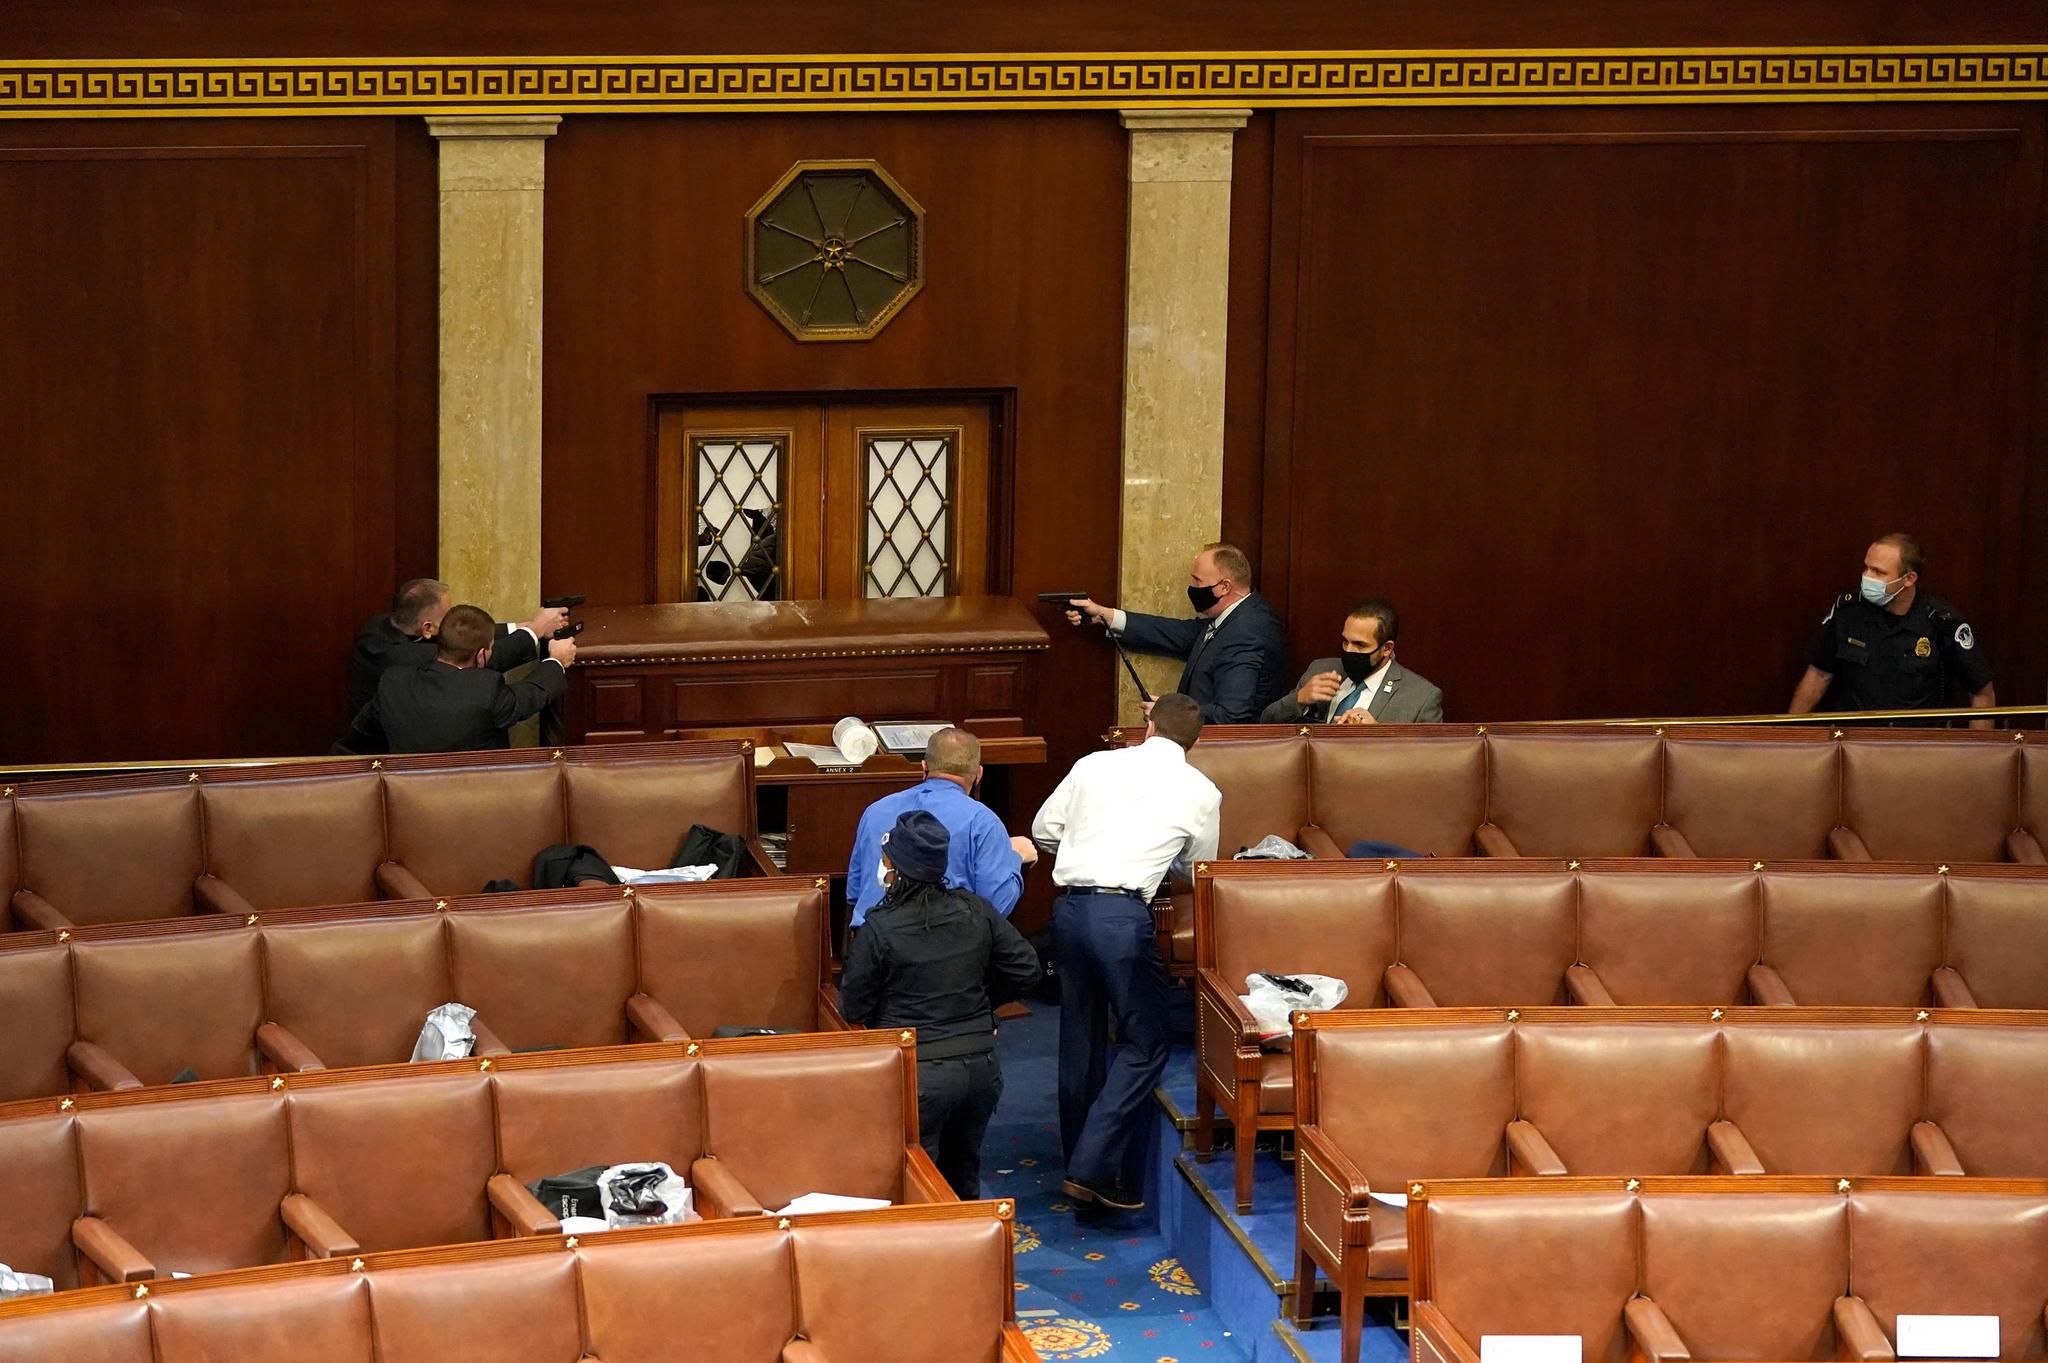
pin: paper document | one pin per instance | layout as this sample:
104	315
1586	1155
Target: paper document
1530	1349
1391	1199
907	738
820	754
674	875
830	1202
1948	1336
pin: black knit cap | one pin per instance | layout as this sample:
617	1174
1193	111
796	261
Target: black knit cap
917	847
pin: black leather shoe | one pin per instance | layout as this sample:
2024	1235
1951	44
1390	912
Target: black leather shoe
1116	1198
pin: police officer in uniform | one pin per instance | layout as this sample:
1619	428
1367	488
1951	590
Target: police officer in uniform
1891	646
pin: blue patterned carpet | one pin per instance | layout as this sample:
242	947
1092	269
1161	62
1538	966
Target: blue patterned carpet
1106	1287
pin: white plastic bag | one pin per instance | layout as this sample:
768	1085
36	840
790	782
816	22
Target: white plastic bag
13	1284
644	1195
446	1035
1273	1000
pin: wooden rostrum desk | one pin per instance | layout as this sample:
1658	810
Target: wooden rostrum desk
779	671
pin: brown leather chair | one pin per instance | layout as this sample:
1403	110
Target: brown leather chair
1759	1280
1996	939
554	1121
521	1310
740	1303
1553	793
104	1332
95	856
1910	796
1506	938
1982	1253
37	1016
1613	1098
1423	789
1987	1099
629	807
1267	793
278	842
456	829
1654	937
1812	1098
1845	939
322	1320
1749	793
39	1151
2031	836
554	978
150	1010
318	973
747	956
859	1296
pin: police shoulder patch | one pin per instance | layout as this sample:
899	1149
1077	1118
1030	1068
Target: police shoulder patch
1965	639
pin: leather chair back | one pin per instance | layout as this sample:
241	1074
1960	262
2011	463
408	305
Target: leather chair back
108	857
766	1113
161	1007
1469	1072
1844	938
1421	791
36	1020
1575	794
10	862
400	1163
931	1293
2034	792
636	813
357	993
458	828
1659	938
1490	938
546	978
691	946
1998	940
1747	1277
1817	1099
289	842
1620	1098
116	1332
520	1310
1341	929
553	1121
1264	783
1927	798
740	1306
1987	1088
195	1187
1556	1265
1775	796
1985	1254
323	1320
40	1155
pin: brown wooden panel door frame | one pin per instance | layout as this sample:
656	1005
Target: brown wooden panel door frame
677	430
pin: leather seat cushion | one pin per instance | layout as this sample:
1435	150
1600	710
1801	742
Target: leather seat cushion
1183	928
1388	1255
1276	1083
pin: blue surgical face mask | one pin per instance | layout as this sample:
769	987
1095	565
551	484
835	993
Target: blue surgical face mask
1879	592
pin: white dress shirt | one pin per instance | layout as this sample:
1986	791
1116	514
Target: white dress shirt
1370	686
1123	817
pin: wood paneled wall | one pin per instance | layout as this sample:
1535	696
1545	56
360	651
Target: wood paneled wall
211	467
1610	401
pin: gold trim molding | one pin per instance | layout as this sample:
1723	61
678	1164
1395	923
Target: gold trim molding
117	87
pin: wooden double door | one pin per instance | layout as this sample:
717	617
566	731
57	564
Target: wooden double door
822	499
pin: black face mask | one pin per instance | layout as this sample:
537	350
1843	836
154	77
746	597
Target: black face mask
1359	666
1201	598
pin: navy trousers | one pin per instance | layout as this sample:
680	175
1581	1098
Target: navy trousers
1109	971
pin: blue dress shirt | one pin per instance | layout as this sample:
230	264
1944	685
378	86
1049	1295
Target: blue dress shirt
979	857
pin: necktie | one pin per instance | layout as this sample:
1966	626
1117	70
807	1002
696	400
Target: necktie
1350	701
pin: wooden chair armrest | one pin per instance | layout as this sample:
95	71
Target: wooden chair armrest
487	1042
1228	1003
1769	987
1406	988
320	1233
830	1019
522	1211
1951	990
1442	1337
1667	841
1312	1144
1845	845
1586	989
1653	1333
1318	844
116	1259
922	1181
395	882
757	854
286	1051
1529	1153
1016	1348
1932	1152
719	1192
653	1021
96	1065
2023	847
1493	842
38	913
217	896
1858	1336
1731	1149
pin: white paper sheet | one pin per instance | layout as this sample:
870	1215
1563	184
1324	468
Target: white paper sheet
1391	1199
1530	1349
674	875
1948	1336
907	738
820	754
810	1203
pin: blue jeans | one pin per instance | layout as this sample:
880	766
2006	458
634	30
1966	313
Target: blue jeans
1109	970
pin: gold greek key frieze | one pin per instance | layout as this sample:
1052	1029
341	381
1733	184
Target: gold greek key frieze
560	85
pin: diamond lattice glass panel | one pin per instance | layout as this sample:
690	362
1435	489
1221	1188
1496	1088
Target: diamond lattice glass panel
909	545
738	514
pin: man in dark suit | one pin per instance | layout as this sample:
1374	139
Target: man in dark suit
456	702
1235	646
405	638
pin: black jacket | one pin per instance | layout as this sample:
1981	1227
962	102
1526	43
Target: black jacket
439	708
381	646
938	960
1234	675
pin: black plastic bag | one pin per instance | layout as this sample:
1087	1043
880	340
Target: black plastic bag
575	1193
703	846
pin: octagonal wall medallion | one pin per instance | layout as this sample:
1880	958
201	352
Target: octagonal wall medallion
834	250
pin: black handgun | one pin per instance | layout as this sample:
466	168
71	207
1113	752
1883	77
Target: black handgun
567	603
1064	600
